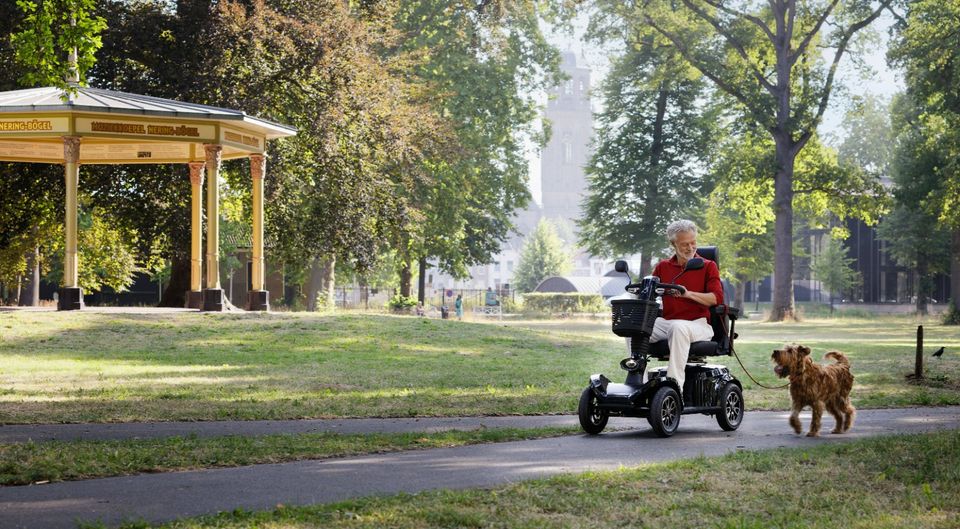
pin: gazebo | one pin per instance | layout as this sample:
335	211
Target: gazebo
94	126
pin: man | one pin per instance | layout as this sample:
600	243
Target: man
686	317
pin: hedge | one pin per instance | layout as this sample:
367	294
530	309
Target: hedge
563	302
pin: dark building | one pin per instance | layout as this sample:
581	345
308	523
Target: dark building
882	279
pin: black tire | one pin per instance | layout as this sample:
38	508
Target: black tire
665	411
731	407
592	419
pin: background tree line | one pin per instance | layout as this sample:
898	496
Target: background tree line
411	119
711	112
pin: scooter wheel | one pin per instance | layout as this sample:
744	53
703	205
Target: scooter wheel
592	419
665	411
731	407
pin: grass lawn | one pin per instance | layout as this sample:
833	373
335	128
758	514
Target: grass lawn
26	463
102	367
893	482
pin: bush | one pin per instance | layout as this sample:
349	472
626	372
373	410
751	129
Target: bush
951	316
401	303
563	303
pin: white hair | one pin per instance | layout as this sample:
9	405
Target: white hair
680	226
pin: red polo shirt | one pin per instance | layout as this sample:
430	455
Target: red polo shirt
706	279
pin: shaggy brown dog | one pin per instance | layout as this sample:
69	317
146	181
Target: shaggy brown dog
817	386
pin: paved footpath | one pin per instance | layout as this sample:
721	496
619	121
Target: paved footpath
163	497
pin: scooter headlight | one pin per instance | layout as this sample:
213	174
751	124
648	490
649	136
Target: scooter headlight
629	364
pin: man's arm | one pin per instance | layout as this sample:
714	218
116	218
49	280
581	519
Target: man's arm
713	295
707	299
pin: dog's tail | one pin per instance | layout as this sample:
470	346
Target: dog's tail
839	357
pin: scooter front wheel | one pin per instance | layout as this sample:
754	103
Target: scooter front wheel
665	411
592	419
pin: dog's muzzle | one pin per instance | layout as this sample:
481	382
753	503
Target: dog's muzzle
781	371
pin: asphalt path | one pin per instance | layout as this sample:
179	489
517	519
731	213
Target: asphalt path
164	497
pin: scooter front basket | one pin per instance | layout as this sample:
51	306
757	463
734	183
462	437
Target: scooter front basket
634	317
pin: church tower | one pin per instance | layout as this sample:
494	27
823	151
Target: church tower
562	179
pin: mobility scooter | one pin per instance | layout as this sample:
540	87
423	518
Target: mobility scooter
709	389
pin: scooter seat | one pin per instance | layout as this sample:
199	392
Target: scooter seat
661	350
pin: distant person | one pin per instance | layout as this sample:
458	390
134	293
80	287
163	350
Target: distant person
458	306
420	309
491	298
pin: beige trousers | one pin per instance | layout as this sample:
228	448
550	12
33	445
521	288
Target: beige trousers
679	334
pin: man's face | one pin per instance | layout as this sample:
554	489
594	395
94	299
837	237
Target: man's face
685	245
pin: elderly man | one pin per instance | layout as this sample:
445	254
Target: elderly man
686	317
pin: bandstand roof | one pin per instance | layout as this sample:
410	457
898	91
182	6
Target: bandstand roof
122	128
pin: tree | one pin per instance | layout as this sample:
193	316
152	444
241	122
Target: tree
57	41
316	65
31	195
652	138
740	217
483	61
767	57
915	235
107	252
928	50
833	268
542	256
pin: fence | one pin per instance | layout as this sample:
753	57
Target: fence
366	298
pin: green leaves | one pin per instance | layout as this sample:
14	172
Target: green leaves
542	256
652	138
834	269
50	30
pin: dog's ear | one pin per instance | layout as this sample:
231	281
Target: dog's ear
804	350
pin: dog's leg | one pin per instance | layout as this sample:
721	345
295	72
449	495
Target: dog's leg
836	408
795	418
817	409
851	413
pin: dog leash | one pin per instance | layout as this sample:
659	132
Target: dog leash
734	351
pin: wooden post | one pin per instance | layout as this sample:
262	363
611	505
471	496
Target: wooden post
918	367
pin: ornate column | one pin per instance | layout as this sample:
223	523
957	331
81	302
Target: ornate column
258	298
212	293
195	294
70	295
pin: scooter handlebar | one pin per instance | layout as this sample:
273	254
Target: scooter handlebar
663	288
660	288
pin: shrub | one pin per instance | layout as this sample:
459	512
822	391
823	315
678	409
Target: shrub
951	316
563	302
401	303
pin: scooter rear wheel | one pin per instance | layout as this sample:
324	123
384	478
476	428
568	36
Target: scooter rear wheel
665	411
592	419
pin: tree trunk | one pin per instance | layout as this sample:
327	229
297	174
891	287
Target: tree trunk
175	295
653	191
740	292
921	285
955	270
320	293
645	267
30	291
422	282
783	306
406	276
